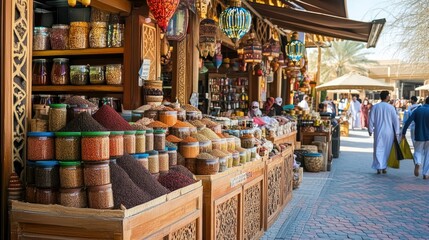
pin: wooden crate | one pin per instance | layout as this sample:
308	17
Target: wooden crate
177	215
233	203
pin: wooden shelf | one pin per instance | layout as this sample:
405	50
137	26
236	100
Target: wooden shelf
84	88
76	52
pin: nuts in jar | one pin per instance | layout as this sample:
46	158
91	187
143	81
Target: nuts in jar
114	74
57	116
71	175
41	38
97	75
78	35
79	74
60	74
59	37
98	35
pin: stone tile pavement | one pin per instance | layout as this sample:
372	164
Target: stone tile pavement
353	202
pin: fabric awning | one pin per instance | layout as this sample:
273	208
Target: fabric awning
319	23
331	7
354	81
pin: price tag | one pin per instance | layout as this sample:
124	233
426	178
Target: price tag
144	71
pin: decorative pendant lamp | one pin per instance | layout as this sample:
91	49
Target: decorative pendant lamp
162	11
178	24
207	43
271	49
252	50
295	48
235	21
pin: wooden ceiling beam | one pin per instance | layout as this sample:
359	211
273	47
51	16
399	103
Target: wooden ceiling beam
114	6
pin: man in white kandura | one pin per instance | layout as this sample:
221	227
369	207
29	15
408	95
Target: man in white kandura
355	112
304	104
384	123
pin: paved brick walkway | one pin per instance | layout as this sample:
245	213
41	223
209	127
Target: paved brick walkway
352	202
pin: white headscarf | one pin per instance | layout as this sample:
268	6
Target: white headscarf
279	101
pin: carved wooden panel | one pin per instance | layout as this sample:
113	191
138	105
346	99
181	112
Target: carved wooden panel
150	49
252	213
274	196
262	30
181	72
288	174
188	232
226	226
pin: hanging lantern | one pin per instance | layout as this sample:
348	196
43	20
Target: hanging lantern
235	21
295	48
178	24
252	50
207	43
162	11
271	49
202	6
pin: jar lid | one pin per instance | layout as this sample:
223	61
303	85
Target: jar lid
158	131
98	24
95	163
41	29
79	66
70	163
117	133
130	132
140	131
58	105
68	134
95	134
40	134
149	130
40	60
71	190
51	163
31	163
172	148
60	60
141	155
79	24
100	187
62	26
153	152
162	152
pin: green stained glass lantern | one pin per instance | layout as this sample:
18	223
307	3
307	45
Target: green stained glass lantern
295	49
235	21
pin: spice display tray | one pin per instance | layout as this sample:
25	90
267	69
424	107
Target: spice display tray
73	52
177	215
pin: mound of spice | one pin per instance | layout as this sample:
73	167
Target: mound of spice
189	140
197	123
200	137
180	124
205	156
173	139
125	191
76	100
190	108
83	123
110	119
141	176
209	133
183	170
137	126
144	121
218	153
168	109
157	124
209	123
175	180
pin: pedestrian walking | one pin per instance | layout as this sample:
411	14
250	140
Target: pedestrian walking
384	123
355	112
364	111
420	117
414	105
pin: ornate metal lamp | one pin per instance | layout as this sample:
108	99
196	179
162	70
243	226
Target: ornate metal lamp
207	43
178	24
252	50
295	49
162	11
271	49
235	21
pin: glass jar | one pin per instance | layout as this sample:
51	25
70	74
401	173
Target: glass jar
140	141
60	74
114	74
67	146
168	117
191	115
163	161
153	162
30	193
40	146
223	144
143	159
223	164
30	168
231	143
59	37
79	74
180	132
208	166
95	146
217	144
96	173
247	141
46	196
206	146
57	116
149	140
78	35
98	35
189	149
97	75
130	142
172	156
73	197
159	139
71	175
115	35
40	75
47	174
243	156
100	197
40	38
235	159
116	144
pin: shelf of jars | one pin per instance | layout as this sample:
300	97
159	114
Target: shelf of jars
85	88
78	52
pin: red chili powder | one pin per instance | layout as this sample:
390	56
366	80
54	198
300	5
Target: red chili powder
110	119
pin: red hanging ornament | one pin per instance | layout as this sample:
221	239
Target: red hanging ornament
162	11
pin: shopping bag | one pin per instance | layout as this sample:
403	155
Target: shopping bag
399	154
406	150
393	161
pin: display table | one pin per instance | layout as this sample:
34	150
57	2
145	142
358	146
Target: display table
177	215
286	138
308	137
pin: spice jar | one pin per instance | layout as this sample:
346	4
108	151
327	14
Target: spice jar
78	35
140	141
116	144
207	164
100	197
97	75
149	140
191	115
40	146
163	161
67	146
189	148
40	75
130	142
96	173
47	174
114	74
143	159
57	116
73	197
217	144
98	35
168	117
60	71
235	159
115	35
159	139
46	196
230	143
41	38
243	156
223	164
79	74
247	141
153	162
180	132
59	37
205	146
172	156
30	168
95	146
71	175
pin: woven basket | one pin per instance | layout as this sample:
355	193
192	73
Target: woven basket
310	148
313	162
148	84
153	98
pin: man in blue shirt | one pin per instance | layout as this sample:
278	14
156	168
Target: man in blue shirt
420	117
